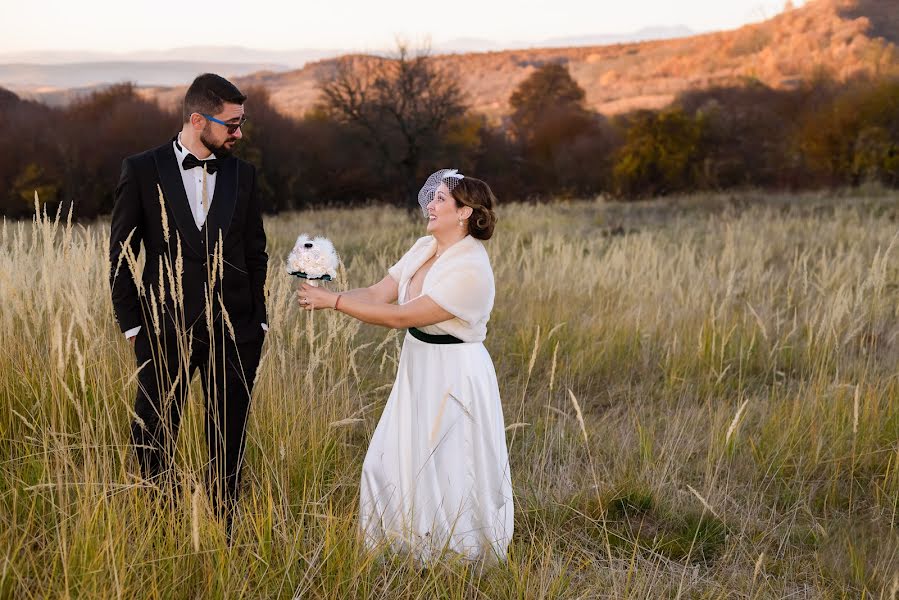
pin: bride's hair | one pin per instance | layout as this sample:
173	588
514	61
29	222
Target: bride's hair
478	196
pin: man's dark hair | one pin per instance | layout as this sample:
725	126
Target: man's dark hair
208	94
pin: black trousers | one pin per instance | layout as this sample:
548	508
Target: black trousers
227	370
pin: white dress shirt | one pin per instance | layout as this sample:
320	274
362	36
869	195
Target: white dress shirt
193	187
193	183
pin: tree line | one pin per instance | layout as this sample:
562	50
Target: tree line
382	125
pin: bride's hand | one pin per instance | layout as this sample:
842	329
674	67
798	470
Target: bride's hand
314	298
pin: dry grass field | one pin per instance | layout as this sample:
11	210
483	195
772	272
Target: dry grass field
702	400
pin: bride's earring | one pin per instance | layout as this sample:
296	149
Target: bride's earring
460	222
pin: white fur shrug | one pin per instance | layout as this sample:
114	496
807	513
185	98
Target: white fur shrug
460	281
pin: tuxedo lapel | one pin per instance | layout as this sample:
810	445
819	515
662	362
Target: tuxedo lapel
176	198
223	200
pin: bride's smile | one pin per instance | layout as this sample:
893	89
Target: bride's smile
445	217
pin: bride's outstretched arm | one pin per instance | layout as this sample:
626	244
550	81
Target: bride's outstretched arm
418	313
385	291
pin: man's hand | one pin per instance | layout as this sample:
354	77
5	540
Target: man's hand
131	334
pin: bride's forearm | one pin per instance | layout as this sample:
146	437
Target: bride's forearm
383	292
418	313
372	312
364	294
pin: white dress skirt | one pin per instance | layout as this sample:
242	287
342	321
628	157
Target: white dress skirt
436	476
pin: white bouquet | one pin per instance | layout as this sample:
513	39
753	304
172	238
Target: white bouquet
313	259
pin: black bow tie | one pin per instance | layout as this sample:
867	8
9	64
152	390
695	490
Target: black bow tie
190	161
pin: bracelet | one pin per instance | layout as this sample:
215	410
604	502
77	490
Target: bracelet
336	302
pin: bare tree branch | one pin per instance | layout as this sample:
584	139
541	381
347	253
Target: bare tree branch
403	104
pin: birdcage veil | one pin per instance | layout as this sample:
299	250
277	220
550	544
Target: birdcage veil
451	177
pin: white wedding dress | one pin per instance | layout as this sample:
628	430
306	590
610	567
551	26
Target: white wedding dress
436	476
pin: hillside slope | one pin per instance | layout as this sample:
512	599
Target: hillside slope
843	38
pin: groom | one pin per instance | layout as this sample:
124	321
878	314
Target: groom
200	305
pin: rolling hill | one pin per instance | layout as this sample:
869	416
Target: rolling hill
842	38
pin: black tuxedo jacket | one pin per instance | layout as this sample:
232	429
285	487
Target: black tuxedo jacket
235	216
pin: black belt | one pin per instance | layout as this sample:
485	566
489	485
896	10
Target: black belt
430	338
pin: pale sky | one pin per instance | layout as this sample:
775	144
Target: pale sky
123	25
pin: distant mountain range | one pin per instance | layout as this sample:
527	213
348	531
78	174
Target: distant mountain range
52	72
43	78
290	59
298	57
465	45
843	38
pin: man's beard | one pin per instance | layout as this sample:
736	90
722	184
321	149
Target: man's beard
219	150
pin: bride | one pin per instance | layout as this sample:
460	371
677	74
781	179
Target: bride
436	475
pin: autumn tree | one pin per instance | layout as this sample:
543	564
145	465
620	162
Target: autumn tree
854	137
550	90
402	106
747	135
97	133
29	147
663	153
565	147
